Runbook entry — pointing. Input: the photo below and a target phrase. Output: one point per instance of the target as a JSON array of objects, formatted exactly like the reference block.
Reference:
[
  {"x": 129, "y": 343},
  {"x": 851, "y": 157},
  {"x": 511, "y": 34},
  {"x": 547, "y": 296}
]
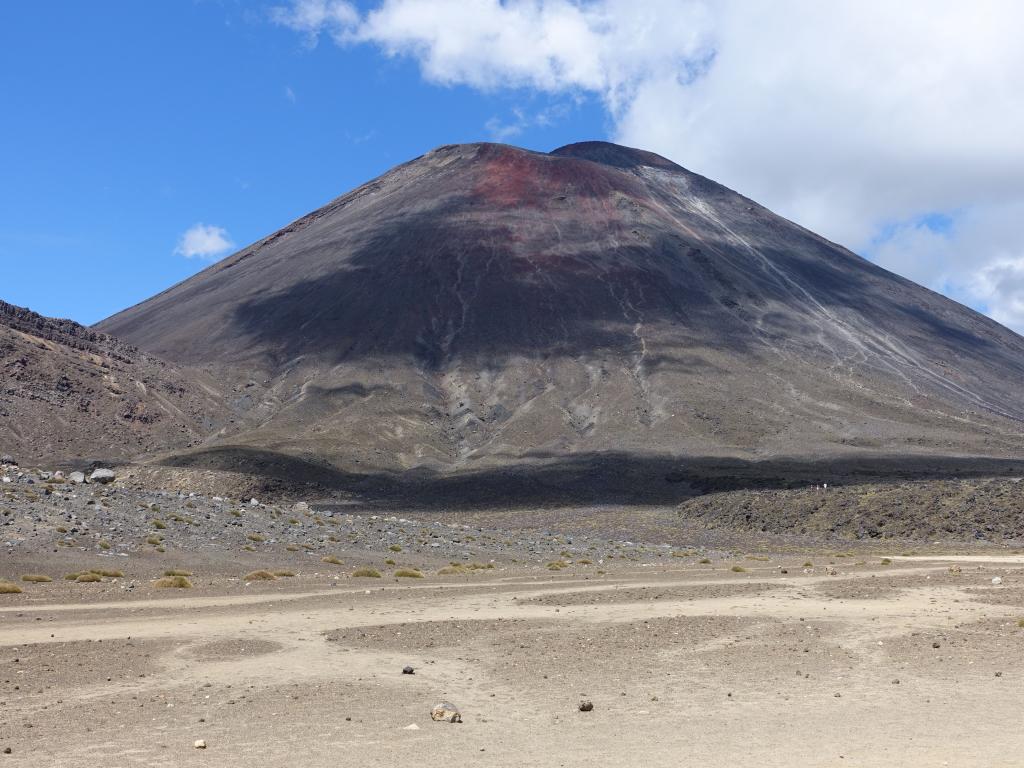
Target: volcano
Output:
[{"x": 484, "y": 305}]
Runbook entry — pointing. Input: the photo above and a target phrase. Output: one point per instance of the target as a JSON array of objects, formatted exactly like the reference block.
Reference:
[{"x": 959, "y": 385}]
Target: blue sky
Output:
[
  {"x": 127, "y": 124},
  {"x": 138, "y": 122}
]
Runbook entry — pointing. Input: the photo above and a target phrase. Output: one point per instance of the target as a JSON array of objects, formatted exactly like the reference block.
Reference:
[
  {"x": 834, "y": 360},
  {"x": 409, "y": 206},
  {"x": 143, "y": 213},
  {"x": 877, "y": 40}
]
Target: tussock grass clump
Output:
[
  {"x": 389, "y": 561},
  {"x": 71, "y": 576},
  {"x": 7, "y": 588},
  {"x": 61, "y": 529},
  {"x": 36, "y": 578},
  {"x": 557, "y": 565},
  {"x": 177, "y": 572},
  {"x": 886, "y": 561},
  {"x": 158, "y": 524},
  {"x": 738, "y": 569},
  {"x": 330, "y": 559},
  {"x": 173, "y": 582},
  {"x": 1020, "y": 623},
  {"x": 284, "y": 574},
  {"x": 109, "y": 573},
  {"x": 408, "y": 573},
  {"x": 451, "y": 570},
  {"x": 292, "y": 548},
  {"x": 705, "y": 561},
  {"x": 581, "y": 561},
  {"x": 808, "y": 564},
  {"x": 88, "y": 578},
  {"x": 104, "y": 544},
  {"x": 154, "y": 540},
  {"x": 366, "y": 573},
  {"x": 260, "y": 576},
  {"x": 395, "y": 547},
  {"x": 249, "y": 548},
  {"x": 479, "y": 566},
  {"x": 257, "y": 537}
]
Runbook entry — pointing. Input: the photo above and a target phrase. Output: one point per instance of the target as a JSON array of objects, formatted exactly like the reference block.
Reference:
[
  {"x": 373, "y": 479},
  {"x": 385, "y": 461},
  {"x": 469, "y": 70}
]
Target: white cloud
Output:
[
  {"x": 853, "y": 117},
  {"x": 202, "y": 241},
  {"x": 312, "y": 17}
]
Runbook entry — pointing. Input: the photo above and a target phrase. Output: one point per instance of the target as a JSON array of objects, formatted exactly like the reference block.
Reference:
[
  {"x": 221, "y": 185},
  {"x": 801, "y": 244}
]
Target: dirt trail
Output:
[{"x": 749, "y": 677}]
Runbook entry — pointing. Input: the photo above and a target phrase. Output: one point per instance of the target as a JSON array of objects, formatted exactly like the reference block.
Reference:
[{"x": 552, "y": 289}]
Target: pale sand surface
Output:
[{"x": 686, "y": 665}]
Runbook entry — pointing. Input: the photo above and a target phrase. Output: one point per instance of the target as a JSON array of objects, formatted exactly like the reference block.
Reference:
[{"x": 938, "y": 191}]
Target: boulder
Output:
[
  {"x": 446, "y": 712},
  {"x": 102, "y": 476},
  {"x": 77, "y": 477},
  {"x": 8, "y": 459}
]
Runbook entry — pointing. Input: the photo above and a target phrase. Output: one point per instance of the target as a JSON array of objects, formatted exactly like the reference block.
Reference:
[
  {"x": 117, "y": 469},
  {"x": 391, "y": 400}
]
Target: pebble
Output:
[
  {"x": 199, "y": 744},
  {"x": 445, "y": 712},
  {"x": 586, "y": 706},
  {"x": 408, "y": 670}
]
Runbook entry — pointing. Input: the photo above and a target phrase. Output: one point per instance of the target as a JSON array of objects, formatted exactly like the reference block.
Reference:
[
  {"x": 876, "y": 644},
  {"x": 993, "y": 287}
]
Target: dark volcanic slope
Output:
[
  {"x": 67, "y": 393},
  {"x": 483, "y": 303}
]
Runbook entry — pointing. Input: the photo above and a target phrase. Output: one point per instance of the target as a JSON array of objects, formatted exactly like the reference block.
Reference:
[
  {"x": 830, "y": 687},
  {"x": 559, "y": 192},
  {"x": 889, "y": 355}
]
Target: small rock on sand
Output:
[
  {"x": 446, "y": 712},
  {"x": 199, "y": 744},
  {"x": 586, "y": 706}
]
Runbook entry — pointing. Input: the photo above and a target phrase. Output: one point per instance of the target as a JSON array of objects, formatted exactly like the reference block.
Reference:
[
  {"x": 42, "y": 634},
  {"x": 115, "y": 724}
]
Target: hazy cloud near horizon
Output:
[{"x": 860, "y": 120}]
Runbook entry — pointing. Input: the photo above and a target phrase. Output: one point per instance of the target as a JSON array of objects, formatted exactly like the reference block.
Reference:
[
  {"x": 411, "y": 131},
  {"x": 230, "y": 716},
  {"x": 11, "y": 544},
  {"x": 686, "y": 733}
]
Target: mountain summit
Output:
[{"x": 483, "y": 304}]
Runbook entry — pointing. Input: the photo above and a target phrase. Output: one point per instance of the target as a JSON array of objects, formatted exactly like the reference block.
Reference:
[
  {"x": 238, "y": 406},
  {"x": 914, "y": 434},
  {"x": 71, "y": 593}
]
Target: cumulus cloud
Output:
[
  {"x": 856, "y": 118},
  {"x": 203, "y": 241}
]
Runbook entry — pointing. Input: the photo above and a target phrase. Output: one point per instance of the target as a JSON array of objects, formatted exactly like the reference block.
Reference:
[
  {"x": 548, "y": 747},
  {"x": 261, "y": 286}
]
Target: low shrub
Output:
[
  {"x": 36, "y": 578},
  {"x": 260, "y": 576},
  {"x": 366, "y": 573},
  {"x": 173, "y": 582}
]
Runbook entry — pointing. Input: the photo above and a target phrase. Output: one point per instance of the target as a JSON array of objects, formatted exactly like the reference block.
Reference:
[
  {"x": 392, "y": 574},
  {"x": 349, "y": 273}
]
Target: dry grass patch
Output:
[
  {"x": 557, "y": 565},
  {"x": 366, "y": 573},
  {"x": 173, "y": 582},
  {"x": 395, "y": 547},
  {"x": 177, "y": 572},
  {"x": 478, "y": 566},
  {"x": 260, "y": 576},
  {"x": 7, "y": 588},
  {"x": 330, "y": 559},
  {"x": 738, "y": 569},
  {"x": 257, "y": 537},
  {"x": 154, "y": 540},
  {"x": 88, "y": 578},
  {"x": 109, "y": 573},
  {"x": 408, "y": 573},
  {"x": 284, "y": 574},
  {"x": 36, "y": 578},
  {"x": 158, "y": 524},
  {"x": 451, "y": 570}
]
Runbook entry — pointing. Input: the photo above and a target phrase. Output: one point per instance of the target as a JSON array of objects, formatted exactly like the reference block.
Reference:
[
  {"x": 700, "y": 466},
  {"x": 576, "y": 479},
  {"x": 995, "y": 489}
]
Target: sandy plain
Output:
[{"x": 904, "y": 663}]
